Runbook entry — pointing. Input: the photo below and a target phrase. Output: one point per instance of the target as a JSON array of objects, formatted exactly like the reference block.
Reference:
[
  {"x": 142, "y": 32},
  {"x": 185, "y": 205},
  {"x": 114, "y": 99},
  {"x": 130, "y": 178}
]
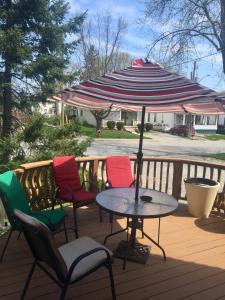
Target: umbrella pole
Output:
[{"x": 140, "y": 154}]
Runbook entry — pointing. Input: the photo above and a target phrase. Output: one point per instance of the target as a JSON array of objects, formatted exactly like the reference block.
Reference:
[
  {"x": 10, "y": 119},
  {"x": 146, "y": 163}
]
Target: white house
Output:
[{"x": 201, "y": 123}]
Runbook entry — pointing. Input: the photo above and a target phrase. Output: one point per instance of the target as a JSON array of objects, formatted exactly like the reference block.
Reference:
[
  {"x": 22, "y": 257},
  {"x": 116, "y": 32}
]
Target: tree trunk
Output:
[
  {"x": 98, "y": 124},
  {"x": 7, "y": 102},
  {"x": 222, "y": 34}
]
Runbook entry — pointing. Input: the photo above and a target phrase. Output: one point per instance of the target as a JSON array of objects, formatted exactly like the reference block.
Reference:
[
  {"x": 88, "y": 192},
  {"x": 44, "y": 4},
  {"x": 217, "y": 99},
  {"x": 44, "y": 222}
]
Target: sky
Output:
[{"x": 136, "y": 38}]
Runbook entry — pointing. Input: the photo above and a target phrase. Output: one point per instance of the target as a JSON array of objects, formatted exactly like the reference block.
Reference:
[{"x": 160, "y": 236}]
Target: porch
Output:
[{"x": 195, "y": 266}]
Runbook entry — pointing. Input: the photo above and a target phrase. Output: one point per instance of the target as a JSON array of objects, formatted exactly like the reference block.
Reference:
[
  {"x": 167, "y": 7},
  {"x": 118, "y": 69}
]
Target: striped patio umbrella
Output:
[{"x": 140, "y": 87}]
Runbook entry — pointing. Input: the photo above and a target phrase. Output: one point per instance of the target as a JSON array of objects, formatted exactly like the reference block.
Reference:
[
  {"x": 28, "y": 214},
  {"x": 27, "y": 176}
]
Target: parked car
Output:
[
  {"x": 182, "y": 130},
  {"x": 161, "y": 127}
]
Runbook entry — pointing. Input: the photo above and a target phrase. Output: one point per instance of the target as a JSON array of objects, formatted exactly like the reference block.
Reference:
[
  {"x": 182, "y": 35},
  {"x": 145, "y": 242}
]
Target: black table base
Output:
[
  {"x": 138, "y": 253},
  {"x": 150, "y": 204},
  {"x": 131, "y": 250}
]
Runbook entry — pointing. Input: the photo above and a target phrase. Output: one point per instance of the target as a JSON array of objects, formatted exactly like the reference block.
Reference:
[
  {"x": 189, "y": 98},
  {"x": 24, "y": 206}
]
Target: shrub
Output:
[
  {"x": 40, "y": 141},
  {"x": 148, "y": 126},
  {"x": 221, "y": 129},
  {"x": 120, "y": 125},
  {"x": 139, "y": 127},
  {"x": 111, "y": 124}
]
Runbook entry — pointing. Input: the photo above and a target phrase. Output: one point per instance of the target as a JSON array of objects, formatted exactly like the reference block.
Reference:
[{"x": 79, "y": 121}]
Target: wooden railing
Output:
[{"x": 159, "y": 173}]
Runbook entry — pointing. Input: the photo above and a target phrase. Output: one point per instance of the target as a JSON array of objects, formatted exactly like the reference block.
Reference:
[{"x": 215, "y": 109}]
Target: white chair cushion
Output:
[{"x": 72, "y": 250}]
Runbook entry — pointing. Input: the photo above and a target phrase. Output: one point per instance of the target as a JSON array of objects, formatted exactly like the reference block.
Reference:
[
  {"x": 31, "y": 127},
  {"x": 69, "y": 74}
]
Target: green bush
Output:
[
  {"x": 111, "y": 124},
  {"x": 148, "y": 126},
  {"x": 139, "y": 127},
  {"x": 40, "y": 141},
  {"x": 120, "y": 125}
]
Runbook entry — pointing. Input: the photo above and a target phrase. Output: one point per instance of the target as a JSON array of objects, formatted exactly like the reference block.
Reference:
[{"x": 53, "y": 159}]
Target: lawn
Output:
[
  {"x": 108, "y": 134},
  {"x": 220, "y": 156},
  {"x": 214, "y": 137}
]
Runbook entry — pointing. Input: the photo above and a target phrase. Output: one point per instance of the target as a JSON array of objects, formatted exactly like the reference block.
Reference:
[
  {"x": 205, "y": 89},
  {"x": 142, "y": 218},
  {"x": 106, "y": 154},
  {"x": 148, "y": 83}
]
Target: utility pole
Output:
[{"x": 189, "y": 116}]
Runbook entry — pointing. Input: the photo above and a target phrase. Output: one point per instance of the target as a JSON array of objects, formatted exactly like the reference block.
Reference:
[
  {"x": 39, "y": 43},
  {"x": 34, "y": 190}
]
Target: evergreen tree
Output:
[{"x": 34, "y": 52}]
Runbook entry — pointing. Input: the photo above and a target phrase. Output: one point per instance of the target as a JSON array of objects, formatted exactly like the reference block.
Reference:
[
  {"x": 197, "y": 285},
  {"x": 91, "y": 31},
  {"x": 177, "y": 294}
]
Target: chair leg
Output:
[
  {"x": 111, "y": 222},
  {"x": 66, "y": 235},
  {"x": 28, "y": 280},
  {"x": 112, "y": 281},
  {"x": 6, "y": 244},
  {"x": 142, "y": 227},
  {"x": 75, "y": 220},
  {"x": 19, "y": 235},
  {"x": 100, "y": 214},
  {"x": 127, "y": 229},
  {"x": 64, "y": 289}
]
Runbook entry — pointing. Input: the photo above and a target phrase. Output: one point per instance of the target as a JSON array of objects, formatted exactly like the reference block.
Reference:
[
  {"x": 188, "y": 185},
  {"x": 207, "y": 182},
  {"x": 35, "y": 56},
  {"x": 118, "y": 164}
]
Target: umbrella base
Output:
[{"x": 138, "y": 253}]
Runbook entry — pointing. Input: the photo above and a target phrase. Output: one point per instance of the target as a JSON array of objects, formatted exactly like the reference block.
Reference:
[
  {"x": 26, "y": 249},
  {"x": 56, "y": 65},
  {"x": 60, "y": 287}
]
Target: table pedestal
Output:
[{"x": 138, "y": 253}]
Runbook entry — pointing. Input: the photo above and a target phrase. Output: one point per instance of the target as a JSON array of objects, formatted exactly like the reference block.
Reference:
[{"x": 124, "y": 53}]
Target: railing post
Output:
[
  {"x": 95, "y": 172},
  {"x": 177, "y": 179}
]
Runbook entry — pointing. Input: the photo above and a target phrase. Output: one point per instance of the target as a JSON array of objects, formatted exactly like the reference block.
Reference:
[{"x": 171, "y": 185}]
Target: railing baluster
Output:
[
  {"x": 204, "y": 172},
  {"x": 161, "y": 172},
  {"x": 188, "y": 170},
  {"x": 211, "y": 173},
  {"x": 154, "y": 174},
  {"x": 147, "y": 173},
  {"x": 167, "y": 176},
  {"x": 196, "y": 170},
  {"x": 219, "y": 175}
]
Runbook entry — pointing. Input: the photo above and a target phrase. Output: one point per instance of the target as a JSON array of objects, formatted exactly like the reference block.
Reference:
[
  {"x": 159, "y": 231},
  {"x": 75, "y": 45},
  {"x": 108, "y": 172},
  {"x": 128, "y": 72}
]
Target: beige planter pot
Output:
[{"x": 201, "y": 194}]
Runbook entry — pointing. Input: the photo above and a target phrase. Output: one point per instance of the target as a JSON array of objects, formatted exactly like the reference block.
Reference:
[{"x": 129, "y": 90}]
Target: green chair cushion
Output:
[
  {"x": 55, "y": 216},
  {"x": 14, "y": 197}
]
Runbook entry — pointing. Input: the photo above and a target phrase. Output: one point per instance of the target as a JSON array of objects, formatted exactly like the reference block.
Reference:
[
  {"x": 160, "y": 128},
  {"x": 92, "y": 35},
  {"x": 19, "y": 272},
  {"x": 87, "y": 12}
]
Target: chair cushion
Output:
[
  {"x": 74, "y": 249},
  {"x": 13, "y": 196},
  {"x": 118, "y": 170},
  {"x": 56, "y": 216},
  {"x": 66, "y": 173},
  {"x": 85, "y": 196}
]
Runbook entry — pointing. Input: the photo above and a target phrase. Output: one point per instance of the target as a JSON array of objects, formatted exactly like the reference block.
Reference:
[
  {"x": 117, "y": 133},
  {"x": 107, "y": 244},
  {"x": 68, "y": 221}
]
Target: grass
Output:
[
  {"x": 220, "y": 156},
  {"x": 214, "y": 137},
  {"x": 108, "y": 134}
]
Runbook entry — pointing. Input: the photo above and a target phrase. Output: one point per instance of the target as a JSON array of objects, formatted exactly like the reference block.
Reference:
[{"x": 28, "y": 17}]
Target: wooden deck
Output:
[{"x": 195, "y": 266}]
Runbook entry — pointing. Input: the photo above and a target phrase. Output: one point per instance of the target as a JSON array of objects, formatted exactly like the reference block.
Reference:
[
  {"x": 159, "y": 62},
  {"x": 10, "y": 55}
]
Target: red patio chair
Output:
[
  {"x": 69, "y": 187},
  {"x": 119, "y": 174},
  {"x": 118, "y": 171}
]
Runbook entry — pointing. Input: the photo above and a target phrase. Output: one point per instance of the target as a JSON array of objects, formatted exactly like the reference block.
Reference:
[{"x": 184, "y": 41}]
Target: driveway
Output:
[{"x": 160, "y": 144}]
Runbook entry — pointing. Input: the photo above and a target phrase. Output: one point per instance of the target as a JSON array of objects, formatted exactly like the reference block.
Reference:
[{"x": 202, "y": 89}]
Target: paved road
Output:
[{"x": 161, "y": 144}]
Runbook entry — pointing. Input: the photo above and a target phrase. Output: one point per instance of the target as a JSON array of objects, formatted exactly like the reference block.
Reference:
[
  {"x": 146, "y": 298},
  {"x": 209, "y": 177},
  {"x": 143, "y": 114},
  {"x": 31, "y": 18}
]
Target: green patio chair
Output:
[{"x": 13, "y": 197}]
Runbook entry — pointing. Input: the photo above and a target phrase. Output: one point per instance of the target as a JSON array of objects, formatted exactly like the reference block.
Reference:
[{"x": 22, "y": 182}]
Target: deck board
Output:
[{"x": 195, "y": 266}]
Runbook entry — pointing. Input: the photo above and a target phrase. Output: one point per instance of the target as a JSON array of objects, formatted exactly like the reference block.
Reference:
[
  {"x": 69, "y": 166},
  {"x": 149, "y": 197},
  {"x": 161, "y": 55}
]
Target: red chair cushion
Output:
[
  {"x": 118, "y": 171},
  {"x": 67, "y": 178}
]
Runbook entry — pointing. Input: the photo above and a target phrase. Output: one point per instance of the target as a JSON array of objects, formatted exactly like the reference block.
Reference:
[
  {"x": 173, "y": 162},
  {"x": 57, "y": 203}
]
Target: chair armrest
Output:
[
  {"x": 56, "y": 200},
  {"x": 67, "y": 189},
  {"x": 82, "y": 256},
  {"x": 133, "y": 183}
]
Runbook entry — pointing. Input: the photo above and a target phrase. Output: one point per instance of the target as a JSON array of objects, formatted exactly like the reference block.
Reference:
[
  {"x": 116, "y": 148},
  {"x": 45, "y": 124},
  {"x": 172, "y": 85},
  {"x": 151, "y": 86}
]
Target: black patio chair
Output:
[{"x": 70, "y": 262}]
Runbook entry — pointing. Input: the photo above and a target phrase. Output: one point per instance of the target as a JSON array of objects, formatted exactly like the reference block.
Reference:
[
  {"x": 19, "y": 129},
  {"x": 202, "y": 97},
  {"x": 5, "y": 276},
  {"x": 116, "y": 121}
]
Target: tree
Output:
[
  {"x": 34, "y": 52},
  {"x": 185, "y": 25},
  {"x": 100, "y": 52}
]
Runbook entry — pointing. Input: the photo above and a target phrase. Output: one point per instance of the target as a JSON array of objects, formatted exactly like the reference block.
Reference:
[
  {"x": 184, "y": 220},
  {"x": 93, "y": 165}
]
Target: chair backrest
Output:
[
  {"x": 12, "y": 195},
  {"x": 118, "y": 171},
  {"x": 41, "y": 243},
  {"x": 66, "y": 174}
]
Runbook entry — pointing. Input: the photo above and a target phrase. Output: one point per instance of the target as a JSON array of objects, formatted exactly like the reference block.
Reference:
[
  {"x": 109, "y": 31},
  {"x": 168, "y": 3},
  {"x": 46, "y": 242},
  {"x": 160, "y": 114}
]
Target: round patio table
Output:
[{"x": 151, "y": 204}]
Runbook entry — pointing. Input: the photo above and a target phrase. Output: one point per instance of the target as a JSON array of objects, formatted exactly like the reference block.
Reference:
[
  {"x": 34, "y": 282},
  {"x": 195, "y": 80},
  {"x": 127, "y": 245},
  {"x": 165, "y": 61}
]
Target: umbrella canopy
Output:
[
  {"x": 140, "y": 86},
  {"x": 143, "y": 84}
]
